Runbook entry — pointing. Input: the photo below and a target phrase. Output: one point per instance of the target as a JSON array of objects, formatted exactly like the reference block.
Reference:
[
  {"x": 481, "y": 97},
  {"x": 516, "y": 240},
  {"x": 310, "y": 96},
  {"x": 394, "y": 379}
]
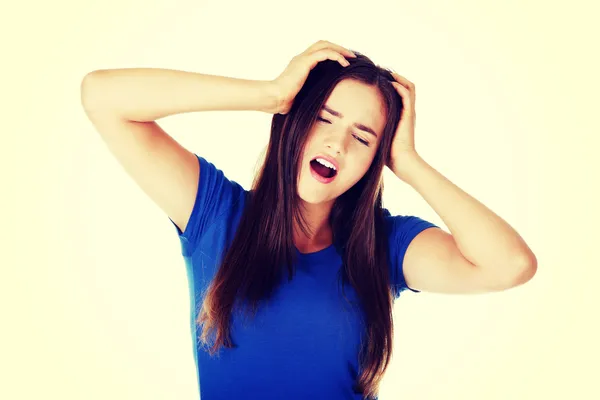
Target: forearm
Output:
[
  {"x": 483, "y": 237},
  {"x": 148, "y": 94}
]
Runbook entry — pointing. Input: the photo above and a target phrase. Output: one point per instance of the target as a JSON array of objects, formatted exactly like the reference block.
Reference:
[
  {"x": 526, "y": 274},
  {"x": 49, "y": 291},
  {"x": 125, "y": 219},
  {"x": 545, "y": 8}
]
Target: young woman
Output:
[{"x": 292, "y": 282}]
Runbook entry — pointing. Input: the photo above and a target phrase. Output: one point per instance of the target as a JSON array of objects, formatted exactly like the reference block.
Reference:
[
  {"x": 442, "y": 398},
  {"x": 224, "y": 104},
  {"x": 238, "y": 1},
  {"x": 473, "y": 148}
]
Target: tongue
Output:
[{"x": 321, "y": 169}]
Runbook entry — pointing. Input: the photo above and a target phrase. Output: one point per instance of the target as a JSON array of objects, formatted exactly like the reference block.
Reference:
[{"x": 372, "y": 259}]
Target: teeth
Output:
[{"x": 326, "y": 163}]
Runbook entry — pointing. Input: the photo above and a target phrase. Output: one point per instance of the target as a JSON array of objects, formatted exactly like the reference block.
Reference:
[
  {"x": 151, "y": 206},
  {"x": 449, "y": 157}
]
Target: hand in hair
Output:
[
  {"x": 290, "y": 81},
  {"x": 403, "y": 150}
]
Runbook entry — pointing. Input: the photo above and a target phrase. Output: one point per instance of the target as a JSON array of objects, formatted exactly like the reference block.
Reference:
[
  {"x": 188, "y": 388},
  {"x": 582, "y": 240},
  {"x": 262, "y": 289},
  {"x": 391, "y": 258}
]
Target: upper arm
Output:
[
  {"x": 166, "y": 171},
  {"x": 434, "y": 263}
]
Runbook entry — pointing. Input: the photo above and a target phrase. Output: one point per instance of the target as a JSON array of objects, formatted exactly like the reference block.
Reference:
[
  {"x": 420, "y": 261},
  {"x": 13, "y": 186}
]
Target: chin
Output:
[{"x": 314, "y": 197}]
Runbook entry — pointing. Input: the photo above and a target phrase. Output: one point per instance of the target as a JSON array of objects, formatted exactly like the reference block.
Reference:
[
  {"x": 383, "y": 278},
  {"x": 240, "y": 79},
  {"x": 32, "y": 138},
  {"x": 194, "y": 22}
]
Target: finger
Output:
[
  {"x": 327, "y": 54},
  {"x": 405, "y": 91},
  {"x": 324, "y": 44},
  {"x": 407, "y": 101},
  {"x": 401, "y": 89},
  {"x": 405, "y": 82}
]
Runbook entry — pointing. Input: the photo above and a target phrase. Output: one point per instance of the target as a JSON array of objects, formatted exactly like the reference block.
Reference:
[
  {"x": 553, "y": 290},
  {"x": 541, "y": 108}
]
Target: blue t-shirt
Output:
[{"x": 305, "y": 343}]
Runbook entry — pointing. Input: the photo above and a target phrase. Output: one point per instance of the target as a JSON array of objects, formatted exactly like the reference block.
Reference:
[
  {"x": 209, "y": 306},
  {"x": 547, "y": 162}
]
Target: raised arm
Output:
[{"x": 123, "y": 105}]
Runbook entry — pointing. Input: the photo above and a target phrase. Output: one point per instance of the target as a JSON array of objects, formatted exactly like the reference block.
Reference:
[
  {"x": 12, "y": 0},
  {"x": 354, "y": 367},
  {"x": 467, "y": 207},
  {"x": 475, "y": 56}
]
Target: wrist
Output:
[
  {"x": 272, "y": 97},
  {"x": 406, "y": 164}
]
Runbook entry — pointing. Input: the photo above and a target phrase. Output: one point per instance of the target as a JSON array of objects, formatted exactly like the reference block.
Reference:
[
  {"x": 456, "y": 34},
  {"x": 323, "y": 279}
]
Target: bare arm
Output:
[
  {"x": 123, "y": 105},
  {"x": 148, "y": 94}
]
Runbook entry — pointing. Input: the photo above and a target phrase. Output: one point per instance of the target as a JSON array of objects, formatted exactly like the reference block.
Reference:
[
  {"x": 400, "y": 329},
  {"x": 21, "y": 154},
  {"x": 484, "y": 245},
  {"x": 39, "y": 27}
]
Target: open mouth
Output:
[{"x": 323, "y": 169}]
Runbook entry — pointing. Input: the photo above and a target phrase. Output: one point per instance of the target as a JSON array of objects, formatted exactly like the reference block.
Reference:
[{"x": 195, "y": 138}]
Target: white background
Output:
[{"x": 93, "y": 292}]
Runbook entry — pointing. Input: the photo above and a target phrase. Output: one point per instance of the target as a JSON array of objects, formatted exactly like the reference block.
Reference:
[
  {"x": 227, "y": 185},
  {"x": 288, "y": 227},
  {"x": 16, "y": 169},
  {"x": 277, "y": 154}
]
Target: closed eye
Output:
[{"x": 361, "y": 140}]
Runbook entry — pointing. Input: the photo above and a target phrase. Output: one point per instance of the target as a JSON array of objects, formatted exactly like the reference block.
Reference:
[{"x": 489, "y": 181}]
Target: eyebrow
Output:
[{"x": 360, "y": 126}]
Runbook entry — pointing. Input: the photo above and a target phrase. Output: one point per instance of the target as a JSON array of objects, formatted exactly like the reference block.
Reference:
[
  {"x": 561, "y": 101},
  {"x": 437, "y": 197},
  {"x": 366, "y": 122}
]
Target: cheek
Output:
[{"x": 357, "y": 168}]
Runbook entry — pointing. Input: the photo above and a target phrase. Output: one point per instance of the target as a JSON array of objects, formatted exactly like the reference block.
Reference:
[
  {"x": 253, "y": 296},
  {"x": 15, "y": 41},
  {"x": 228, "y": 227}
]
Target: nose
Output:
[{"x": 336, "y": 141}]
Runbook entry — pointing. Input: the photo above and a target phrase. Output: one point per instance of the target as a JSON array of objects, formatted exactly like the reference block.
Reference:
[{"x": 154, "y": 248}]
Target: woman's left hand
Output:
[{"x": 403, "y": 144}]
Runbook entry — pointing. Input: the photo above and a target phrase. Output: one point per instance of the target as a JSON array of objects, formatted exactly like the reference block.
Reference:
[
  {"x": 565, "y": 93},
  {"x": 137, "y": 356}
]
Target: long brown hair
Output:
[{"x": 263, "y": 243}]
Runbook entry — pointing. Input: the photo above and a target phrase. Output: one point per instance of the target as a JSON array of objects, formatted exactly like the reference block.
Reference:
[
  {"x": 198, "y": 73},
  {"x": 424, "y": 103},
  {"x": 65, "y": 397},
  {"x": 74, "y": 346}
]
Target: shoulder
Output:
[
  {"x": 402, "y": 230},
  {"x": 217, "y": 205}
]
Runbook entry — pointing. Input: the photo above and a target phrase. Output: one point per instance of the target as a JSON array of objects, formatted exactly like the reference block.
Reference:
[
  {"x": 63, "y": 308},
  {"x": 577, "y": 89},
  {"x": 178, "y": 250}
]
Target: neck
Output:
[{"x": 319, "y": 235}]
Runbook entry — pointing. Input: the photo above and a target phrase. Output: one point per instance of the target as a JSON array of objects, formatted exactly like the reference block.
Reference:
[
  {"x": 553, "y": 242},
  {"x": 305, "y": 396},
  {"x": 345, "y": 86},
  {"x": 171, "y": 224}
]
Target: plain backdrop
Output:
[{"x": 93, "y": 292}]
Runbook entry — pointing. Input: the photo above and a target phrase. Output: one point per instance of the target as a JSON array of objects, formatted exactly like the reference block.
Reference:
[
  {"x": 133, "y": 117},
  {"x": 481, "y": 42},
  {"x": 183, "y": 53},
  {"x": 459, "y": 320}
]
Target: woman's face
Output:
[{"x": 346, "y": 136}]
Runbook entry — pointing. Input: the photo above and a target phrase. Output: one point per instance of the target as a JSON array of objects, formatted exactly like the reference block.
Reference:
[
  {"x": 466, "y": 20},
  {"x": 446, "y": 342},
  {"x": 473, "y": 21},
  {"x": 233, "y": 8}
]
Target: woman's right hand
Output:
[{"x": 288, "y": 84}]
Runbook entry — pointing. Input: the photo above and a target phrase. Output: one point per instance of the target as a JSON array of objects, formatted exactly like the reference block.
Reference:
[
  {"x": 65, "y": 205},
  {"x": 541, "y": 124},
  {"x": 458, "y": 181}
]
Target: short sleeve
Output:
[
  {"x": 402, "y": 229},
  {"x": 215, "y": 197}
]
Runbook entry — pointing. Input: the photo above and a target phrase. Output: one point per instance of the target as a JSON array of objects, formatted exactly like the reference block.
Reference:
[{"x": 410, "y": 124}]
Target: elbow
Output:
[
  {"x": 88, "y": 93},
  {"x": 526, "y": 269},
  {"x": 84, "y": 91}
]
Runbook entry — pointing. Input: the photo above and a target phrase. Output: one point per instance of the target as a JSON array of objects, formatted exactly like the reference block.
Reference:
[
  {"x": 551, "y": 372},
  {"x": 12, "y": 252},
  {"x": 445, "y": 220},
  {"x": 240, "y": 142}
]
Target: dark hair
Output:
[{"x": 263, "y": 243}]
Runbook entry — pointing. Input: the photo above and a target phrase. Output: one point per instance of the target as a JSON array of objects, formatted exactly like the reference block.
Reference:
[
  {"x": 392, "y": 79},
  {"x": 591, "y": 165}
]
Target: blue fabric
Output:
[{"x": 304, "y": 344}]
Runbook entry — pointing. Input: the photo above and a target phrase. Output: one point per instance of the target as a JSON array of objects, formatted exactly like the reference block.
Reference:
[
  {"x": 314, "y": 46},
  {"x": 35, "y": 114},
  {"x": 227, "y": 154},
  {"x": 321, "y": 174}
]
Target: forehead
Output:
[{"x": 359, "y": 103}]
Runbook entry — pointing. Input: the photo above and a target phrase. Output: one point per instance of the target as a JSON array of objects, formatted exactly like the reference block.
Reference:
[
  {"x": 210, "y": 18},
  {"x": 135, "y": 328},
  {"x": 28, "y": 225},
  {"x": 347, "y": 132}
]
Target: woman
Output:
[{"x": 309, "y": 253}]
